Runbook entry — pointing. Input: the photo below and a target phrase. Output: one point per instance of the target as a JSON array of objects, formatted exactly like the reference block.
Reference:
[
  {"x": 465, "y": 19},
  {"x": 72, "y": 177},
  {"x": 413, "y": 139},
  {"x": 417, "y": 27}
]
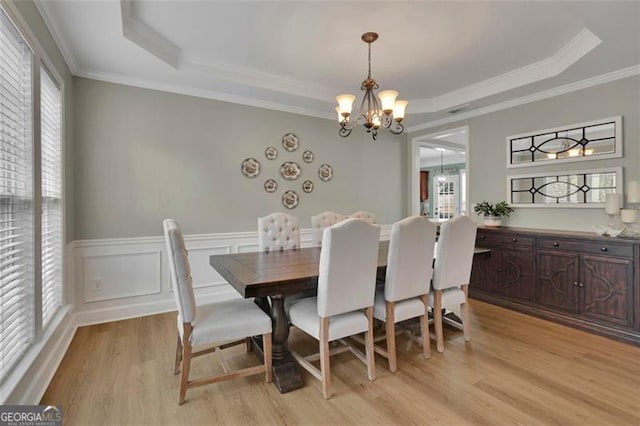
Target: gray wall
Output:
[
  {"x": 143, "y": 155},
  {"x": 487, "y": 169},
  {"x": 30, "y": 14}
]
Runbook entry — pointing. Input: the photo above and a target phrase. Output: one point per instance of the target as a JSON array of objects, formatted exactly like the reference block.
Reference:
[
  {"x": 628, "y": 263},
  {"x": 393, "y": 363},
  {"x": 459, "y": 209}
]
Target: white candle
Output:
[
  {"x": 612, "y": 203},
  {"x": 629, "y": 215},
  {"x": 633, "y": 192}
]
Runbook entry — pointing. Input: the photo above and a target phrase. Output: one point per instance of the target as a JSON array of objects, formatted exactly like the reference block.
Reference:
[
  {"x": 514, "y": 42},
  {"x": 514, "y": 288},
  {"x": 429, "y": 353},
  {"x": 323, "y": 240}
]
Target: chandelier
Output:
[{"x": 374, "y": 113}]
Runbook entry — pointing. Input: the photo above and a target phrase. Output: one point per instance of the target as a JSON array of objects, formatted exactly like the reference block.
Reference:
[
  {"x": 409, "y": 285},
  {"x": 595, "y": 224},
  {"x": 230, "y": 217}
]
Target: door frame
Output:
[{"x": 414, "y": 163}]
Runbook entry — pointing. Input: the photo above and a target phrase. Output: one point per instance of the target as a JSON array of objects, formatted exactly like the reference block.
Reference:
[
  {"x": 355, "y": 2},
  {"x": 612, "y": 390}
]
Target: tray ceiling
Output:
[{"x": 296, "y": 56}]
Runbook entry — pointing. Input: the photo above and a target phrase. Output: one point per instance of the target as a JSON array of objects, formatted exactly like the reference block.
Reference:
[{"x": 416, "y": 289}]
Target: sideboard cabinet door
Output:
[
  {"x": 558, "y": 280},
  {"x": 607, "y": 289}
]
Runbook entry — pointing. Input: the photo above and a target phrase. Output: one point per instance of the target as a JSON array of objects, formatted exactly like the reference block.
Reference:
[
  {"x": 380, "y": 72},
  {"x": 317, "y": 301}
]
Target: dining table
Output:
[{"x": 270, "y": 277}]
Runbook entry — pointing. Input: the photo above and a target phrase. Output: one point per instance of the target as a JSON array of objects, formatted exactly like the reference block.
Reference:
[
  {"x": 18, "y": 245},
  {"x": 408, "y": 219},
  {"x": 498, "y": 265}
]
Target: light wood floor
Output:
[{"x": 517, "y": 370}]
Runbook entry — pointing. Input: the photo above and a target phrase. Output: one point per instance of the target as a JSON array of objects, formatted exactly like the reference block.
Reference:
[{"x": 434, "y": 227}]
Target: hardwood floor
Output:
[{"x": 517, "y": 369}]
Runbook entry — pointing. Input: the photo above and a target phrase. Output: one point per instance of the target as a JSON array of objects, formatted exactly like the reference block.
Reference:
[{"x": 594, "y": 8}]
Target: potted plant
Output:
[{"x": 493, "y": 213}]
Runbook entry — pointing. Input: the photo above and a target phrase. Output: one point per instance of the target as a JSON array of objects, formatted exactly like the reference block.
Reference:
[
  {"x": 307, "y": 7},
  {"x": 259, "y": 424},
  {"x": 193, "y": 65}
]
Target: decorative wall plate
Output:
[
  {"x": 290, "y": 199},
  {"x": 307, "y": 156},
  {"x": 271, "y": 153},
  {"x": 307, "y": 186},
  {"x": 290, "y": 170},
  {"x": 251, "y": 167},
  {"x": 290, "y": 142},
  {"x": 325, "y": 172},
  {"x": 270, "y": 185}
]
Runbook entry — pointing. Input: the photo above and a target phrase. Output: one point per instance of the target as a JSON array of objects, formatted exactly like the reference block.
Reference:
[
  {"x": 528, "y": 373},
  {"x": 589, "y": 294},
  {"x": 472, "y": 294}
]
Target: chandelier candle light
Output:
[{"x": 386, "y": 112}]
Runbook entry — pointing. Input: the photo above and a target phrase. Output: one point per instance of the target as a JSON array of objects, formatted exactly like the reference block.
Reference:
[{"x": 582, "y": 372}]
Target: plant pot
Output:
[{"x": 492, "y": 221}]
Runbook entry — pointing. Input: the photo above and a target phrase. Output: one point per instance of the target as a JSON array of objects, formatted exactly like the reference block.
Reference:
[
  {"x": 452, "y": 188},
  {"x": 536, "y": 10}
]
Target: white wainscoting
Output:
[
  {"x": 115, "y": 279},
  {"x": 128, "y": 277}
]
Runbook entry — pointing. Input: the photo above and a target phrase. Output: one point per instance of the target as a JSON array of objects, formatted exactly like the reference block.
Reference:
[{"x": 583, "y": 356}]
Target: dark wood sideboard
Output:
[{"x": 574, "y": 278}]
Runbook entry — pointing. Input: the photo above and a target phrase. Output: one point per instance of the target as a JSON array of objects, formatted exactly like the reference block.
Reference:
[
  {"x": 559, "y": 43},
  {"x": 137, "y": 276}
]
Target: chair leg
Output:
[
  {"x": 324, "y": 358},
  {"x": 176, "y": 368},
  {"x": 368, "y": 343},
  {"x": 424, "y": 329},
  {"x": 248, "y": 344},
  {"x": 464, "y": 310},
  {"x": 437, "y": 320},
  {"x": 391, "y": 336},
  {"x": 186, "y": 362},
  {"x": 266, "y": 349}
]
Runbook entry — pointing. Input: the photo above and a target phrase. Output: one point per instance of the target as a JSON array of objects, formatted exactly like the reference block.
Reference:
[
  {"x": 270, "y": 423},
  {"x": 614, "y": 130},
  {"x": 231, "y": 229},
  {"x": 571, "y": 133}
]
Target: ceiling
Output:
[{"x": 296, "y": 56}]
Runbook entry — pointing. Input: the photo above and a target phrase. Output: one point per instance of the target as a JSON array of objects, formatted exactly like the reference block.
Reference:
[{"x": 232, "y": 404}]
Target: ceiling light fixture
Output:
[{"x": 374, "y": 113}]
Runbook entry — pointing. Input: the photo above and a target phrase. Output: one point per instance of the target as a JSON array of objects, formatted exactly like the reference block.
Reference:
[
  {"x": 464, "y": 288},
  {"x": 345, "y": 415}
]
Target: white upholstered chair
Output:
[
  {"x": 278, "y": 231},
  {"x": 344, "y": 305},
  {"x": 366, "y": 216},
  {"x": 406, "y": 288},
  {"x": 212, "y": 324},
  {"x": 321, "y": 221},
  {"x": 451, "y": 273}
]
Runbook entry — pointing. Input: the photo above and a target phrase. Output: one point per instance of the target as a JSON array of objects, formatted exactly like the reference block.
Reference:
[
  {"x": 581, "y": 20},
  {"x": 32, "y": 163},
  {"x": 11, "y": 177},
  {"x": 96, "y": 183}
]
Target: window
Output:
[
  {"x": 16, "y": 212},
  {"x": 50, "y": 142},
  {"x": 31, "y": 243}
]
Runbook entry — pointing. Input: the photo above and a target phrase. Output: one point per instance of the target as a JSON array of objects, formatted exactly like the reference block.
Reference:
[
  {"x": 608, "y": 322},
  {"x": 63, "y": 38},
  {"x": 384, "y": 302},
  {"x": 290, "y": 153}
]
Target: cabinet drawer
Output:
[
  {"x": 604, "y": 248},
  {"x": 489, "y": 239}
]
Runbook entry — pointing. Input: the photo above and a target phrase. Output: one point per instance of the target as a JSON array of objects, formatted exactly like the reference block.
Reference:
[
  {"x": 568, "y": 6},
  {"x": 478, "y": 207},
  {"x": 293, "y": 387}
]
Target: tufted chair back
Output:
[
  {"x": 278, "y": 231},
  {"x": 366, "y": 216},
  {"x": 180, "y": 271},
  {"x": 321, "y": 221},
  {"x": 454, "y": 253}
]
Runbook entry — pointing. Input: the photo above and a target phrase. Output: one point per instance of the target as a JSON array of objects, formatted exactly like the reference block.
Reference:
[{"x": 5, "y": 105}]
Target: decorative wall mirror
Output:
[
  {"x": 578, "y": 142},
  {"x": 578, "y": 188}
]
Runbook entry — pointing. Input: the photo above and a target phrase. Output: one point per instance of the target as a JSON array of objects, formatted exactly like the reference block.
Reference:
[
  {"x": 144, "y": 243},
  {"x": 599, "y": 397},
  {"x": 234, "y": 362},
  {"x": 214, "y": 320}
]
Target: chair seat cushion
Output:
[
  {"x": 229, "y": 320},
  {"x": 453, "y": 296},
  {"x": 304, "y": 315},
  {"x": 403, "y": 309}
]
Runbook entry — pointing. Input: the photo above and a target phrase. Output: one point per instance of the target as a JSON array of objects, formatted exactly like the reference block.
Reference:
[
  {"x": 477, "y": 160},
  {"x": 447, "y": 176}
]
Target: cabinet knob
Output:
[
  {"x": 580, "y": 285},
  {"x": 604, "y": 249},
  {"x": 482, "y": 237},
  {"x": 514, "y": 240},
  {"x": 498, "y": 269},
  {"x": 556, "y": 244},
  {"x": 575, "y": 283}
]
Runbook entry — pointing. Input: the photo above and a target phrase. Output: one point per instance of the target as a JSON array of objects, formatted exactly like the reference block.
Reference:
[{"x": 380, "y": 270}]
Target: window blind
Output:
[
  {"x": 50, "y": 130},
  {"x": 16, "y": 215}
]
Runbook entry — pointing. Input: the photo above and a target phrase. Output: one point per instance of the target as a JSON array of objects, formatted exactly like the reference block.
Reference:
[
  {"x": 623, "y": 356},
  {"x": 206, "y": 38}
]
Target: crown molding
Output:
[
  {"x": 561, "y": 90},
  {"x": 144, "y": 36},
  {"x": 570, "y": 53},
  {"x": 199, "y": 93},
  {"x": 147, "y": 38},
  {"x": 45, "y": 9}
]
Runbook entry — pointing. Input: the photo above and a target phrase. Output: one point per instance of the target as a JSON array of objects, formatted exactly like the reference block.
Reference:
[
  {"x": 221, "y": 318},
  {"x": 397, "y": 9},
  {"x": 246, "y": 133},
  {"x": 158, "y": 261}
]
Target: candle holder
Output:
[{"x": 629, "y": 217}]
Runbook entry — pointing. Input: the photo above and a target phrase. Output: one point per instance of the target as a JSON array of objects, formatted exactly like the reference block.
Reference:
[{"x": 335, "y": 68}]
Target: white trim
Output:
[
  {"x": 576, "y": 48},
  {"x": 616, "y": 154},
  {"x": 135, "y": 30},
  {"x": 616, "y": 170},
  {"x": 147, "y": 38},
  {"x": 44, "y": 8},
  {"x": 29, "y": 379},
  {"x": 414, "y": 163},
  {"x": 545, "y": 94},
  {"x": 201, "y": 93}
]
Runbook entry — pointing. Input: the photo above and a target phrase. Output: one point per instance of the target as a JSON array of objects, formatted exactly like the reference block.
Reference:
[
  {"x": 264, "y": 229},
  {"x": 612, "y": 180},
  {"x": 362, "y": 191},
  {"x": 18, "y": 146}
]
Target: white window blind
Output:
[
  {"x": 50, "y": 130},
  {"x": 16, "y": 215}
]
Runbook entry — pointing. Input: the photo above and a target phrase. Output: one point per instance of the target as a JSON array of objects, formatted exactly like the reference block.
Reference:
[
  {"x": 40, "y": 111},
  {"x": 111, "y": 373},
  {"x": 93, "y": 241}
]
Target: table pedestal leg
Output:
[{"x": 286, "y": 374}]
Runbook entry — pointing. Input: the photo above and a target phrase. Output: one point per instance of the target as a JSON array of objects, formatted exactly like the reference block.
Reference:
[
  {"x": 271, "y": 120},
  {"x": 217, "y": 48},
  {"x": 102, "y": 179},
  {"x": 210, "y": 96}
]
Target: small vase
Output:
[{"x": 492, "y": 221}]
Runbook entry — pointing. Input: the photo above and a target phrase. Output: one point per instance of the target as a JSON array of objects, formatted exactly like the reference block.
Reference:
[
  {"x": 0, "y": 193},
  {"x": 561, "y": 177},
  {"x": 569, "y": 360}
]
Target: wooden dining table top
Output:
[{"x": 269, "y": 273}]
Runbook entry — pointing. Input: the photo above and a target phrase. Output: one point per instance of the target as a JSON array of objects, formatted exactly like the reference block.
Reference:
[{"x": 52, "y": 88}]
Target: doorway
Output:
[{"x": 439, "y": 185}]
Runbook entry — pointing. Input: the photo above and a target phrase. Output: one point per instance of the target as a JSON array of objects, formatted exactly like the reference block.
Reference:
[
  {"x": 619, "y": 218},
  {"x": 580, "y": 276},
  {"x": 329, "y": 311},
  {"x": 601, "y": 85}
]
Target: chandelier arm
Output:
[
  {"x": 397, "y": 129},
  {"x": 344, "y": 132}
]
